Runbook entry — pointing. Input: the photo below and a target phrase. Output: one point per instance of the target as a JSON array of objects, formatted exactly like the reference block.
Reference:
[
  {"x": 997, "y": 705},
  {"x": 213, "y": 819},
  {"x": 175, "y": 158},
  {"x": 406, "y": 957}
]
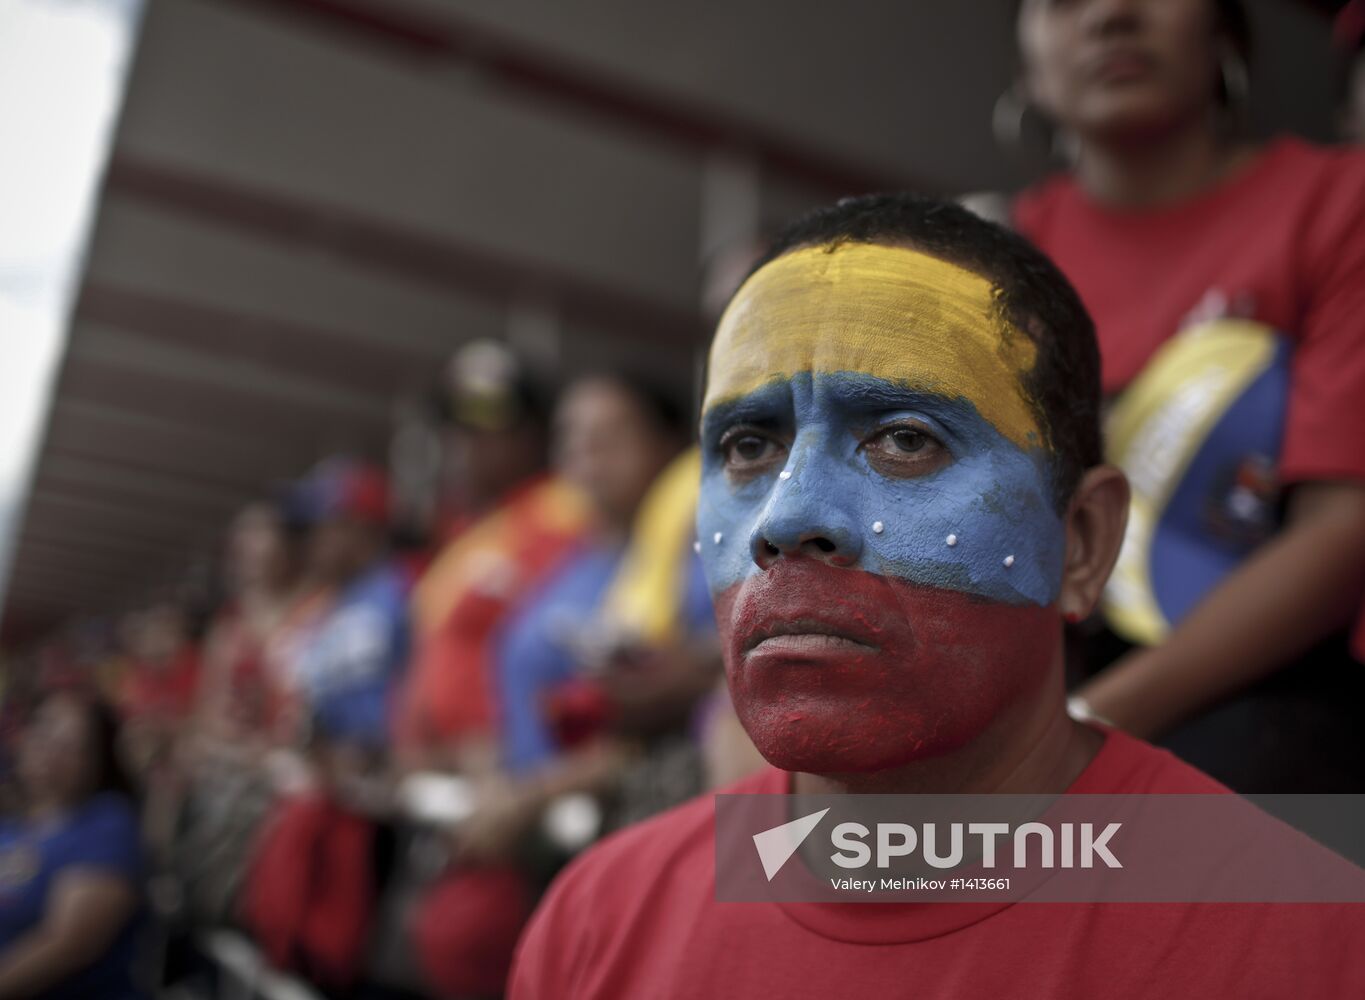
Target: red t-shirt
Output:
[
  {"x": 1282, "y": 243},
  {"x": 464, "y": 597},
  {"x": 164, "y": 692},
  {"x": 637, "y": 917}
]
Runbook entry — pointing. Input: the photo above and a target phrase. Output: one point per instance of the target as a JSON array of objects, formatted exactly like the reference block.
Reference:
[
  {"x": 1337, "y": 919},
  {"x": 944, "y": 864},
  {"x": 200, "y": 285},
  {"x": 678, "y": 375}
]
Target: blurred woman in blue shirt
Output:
[{"x": 71, "y": 866}]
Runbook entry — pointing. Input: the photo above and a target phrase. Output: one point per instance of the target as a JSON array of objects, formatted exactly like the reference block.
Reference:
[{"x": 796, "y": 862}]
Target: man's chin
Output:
[
  {"x": 835, "y": 747},
  {"x": 832, "y": 765}
]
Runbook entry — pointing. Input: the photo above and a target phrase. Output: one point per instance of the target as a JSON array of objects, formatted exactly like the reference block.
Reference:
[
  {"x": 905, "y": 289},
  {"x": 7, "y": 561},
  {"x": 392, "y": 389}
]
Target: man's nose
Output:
[{"x": 808, "y": 514}]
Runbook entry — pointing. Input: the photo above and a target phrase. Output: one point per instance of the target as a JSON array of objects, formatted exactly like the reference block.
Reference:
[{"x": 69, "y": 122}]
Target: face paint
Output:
[
  {"x": 888, "y": 312},
  {"x": 909, "y": 670},
  {"x": 838, "y": 367}
]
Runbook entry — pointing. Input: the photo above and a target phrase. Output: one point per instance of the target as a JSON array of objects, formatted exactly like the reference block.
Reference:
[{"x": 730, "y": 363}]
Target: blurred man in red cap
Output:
[{"x": 345, "y": 667}]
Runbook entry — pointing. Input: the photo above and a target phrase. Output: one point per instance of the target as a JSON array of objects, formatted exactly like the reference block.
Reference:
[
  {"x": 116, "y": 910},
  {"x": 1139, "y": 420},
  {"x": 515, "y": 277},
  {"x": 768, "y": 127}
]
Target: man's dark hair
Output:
[{"x": 1031, "y": 293}]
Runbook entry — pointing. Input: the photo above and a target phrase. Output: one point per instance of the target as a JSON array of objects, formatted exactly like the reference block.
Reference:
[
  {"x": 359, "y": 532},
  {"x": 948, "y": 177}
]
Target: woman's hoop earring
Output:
[
  {"x": 1234, "y": 79},
  {"x": 1007, "y": 117},
  {"x": 1009, "y": 123}
]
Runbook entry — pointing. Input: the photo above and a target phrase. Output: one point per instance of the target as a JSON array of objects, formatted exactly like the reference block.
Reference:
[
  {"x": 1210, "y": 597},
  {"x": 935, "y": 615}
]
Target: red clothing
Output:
[
  {"x": 1281, "y": 243},
  {"x": 309, "y": 896},
  {"x": 165, "y": 692},
  {"x": 637, "y": 917},
  {"x": 464, "y": 597},
  {"x": 465, "y": 928},
  {"x": 246, "y": 698}
]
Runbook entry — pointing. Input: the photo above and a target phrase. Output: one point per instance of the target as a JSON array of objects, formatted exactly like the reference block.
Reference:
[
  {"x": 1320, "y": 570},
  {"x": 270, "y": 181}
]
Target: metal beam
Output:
[
  {"x": 385, "y": 246},
  {"x": 379, "y": 362},
  {"x": 553, "y": 79},
  {"x": 97, "y": 538},
  {"x": 100, "y": 473},
  {"x": 252, "y": 383},
  {"x": 139, "y": 513}
]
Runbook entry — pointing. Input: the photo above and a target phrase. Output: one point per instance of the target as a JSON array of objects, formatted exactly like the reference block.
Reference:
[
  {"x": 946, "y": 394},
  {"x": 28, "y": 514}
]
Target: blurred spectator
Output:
[
  {"x": 347, "y": 665},
  {"x": 71, "y": 868},
  {"x": 241, "y": 696},
  {"x": 158, "y": 686},
  {"x": 665, "y": 658},
  {"x": 573, "y": 665},
  {"x": 160, "y": 682},
  {"x": 243, "y": 710},
  {"x": 1349, "y": 36},
  {"x": 520, "y": 524},
  {"x": 566, "y": 722},
  {"x": 311, "y": 887},
  {"x": 612, "y": 436},
  {"x": 1227, "y": 282}
]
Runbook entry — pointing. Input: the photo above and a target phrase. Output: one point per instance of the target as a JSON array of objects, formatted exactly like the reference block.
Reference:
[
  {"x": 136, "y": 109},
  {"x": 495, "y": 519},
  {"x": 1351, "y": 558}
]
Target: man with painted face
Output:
[{"x": 902, "y": 500}]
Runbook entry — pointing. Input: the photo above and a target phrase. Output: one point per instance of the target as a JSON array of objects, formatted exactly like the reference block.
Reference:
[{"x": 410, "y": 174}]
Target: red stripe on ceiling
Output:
[
  {"x": 245, "y": 484},
  {"x": 290, "y": 346},
  {"x": 100, "y": 539},
  {"x": 93, "y": 577},
  {"x": 237, "y": 409},
  {"x": 547, "y": 76},
  {"x": 219, "y": 507},
  {"x": 152, "y": 524},
  {"x": 73, "y": 555},
  {"x": 389, "y": 247}
]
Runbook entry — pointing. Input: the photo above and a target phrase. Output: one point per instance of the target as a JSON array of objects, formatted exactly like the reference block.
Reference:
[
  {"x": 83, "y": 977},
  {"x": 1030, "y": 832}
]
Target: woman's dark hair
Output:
[
  {"x": 1031, "y": 293},
  {"x": 1235, "y": 25},
  {"x": 110, "y": 773}
]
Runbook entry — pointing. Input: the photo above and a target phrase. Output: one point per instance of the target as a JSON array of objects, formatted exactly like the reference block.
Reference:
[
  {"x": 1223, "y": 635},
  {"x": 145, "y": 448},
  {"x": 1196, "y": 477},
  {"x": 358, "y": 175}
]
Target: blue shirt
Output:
[
  {"x": 101, "y": 837},
  {"x": 349, "y": 664},
  {"x": 535, "y": 652}
]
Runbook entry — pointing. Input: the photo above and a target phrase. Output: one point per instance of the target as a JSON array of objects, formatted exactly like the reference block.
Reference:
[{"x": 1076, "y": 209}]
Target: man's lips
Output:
[
  {"x": 805, "y": 635},
  {"x": 801, "y": 606}
]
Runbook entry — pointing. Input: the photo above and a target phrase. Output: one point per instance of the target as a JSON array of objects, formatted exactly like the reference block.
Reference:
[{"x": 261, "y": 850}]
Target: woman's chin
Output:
[{"x": 1135, "y": 117}]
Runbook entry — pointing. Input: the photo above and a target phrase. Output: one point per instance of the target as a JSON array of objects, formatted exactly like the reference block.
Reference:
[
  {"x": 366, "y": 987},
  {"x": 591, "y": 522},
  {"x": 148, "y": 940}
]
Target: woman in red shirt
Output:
[{"x": 1227, "y": 282}]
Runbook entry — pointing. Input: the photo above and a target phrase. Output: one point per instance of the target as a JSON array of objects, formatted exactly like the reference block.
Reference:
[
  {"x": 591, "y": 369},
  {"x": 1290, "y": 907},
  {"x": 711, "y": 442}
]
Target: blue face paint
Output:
[{"x": 994, "y": 497}]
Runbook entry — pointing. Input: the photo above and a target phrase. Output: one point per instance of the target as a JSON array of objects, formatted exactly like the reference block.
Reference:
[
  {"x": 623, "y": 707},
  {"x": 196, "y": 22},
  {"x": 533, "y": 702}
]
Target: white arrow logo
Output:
[{"x": 775, "y": 846}]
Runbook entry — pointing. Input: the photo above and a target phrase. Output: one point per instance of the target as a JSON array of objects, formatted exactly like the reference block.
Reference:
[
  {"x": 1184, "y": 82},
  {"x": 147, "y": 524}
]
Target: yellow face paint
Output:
[{"x": 889, "y": 312}]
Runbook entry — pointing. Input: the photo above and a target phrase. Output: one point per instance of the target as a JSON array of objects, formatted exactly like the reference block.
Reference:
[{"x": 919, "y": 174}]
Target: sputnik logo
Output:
[{"x": 777, "y": 845}]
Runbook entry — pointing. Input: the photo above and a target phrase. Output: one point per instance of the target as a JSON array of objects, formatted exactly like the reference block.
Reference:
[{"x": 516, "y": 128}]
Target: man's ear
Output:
[{"x": 1095, "y": 522}]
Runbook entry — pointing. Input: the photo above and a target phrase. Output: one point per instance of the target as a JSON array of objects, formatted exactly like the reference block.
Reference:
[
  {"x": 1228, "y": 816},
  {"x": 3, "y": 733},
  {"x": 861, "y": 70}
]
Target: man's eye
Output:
[
  {"x": 905, "y": 451},
  {"x": 748, "y": 452},
  {"x": 908, "y": 440}
]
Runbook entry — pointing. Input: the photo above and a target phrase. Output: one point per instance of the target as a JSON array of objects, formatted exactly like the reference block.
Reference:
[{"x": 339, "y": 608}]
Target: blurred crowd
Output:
[{"x": 375, "y": 744}]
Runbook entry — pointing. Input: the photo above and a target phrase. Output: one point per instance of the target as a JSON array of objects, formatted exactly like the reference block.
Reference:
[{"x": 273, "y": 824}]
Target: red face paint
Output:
[{"x": 879, "y": 672}]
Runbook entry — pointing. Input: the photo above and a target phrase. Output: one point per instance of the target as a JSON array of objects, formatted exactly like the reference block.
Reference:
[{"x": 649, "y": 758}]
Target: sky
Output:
[{"x": 62, "y": 70}]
